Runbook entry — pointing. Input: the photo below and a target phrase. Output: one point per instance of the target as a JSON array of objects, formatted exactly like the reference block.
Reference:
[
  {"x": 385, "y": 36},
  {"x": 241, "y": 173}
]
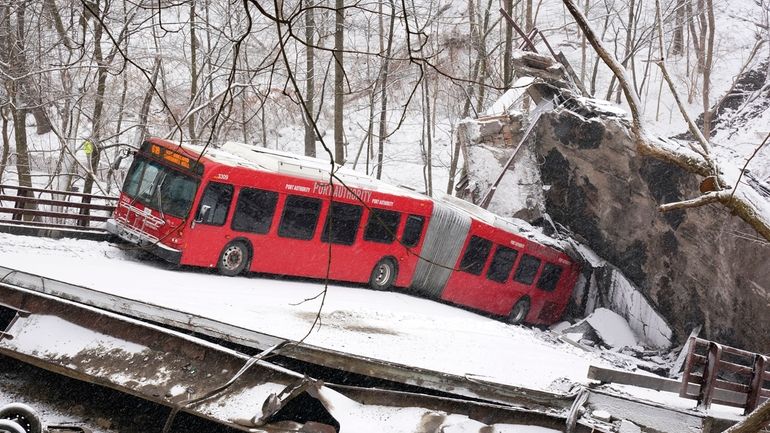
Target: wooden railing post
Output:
[
  {"x": 710, "y": 375},
  {"x": 757, "y": 380},
  {"x": 691, "y": 345}
]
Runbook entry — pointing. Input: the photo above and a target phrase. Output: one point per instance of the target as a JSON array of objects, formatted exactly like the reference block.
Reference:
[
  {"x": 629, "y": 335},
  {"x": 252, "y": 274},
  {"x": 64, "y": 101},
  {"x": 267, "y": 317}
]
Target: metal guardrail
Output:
[{"x": 47, "y": 208}]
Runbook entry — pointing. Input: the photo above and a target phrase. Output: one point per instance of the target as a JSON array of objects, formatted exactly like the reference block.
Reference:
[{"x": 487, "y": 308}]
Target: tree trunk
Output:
[
  {"x": 627, "y": 57},
  {"x": 193, "y": 72},
  {"x": 22, "y": 158},
  {"x": 383, "y": 132},
  {"x": 583, "y": 50},
  {"x": 677, "y": 46},
  {"x": 15, "y": 57},
  {"x": 708, "y": 56},
  {"x": 96, "y": 118},
  {"x": 339, "y": 82},
  {"x": 6, "y": 145},
  {"x": 28, "y": 92},
  {"x": 310, "y": 80},
  {"x": 453, "y": 162},
  {"x": 427, "y": 134},
  {"x": 507, "y": 68},
  {"x": 529, "y": 25}
]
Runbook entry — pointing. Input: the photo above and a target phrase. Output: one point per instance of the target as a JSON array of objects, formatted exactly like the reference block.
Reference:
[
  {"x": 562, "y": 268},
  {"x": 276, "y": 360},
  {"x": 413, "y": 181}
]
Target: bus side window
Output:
[
  {"x": 549, "y": 277},
  {"x": 502, "y": 263},
  {"x": 525, "y": 273},
  {"x": 254, "y": 210},
  {"x": 412, "y": 230},
  {"x": 214, "y": 204},
  {"x": 342, "y": 223},
  {"x": 382, "y": 226},
  {"x": 300, "y": 217},
  {"x": 475, "y": 255}
]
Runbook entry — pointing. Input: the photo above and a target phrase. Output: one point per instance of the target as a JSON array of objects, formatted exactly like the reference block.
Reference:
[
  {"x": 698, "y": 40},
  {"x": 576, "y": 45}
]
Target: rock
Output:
[{"x": 688, "y": 264}]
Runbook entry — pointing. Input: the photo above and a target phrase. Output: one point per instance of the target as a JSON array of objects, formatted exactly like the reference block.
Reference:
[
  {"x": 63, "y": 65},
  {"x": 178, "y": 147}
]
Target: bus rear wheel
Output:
[
  {"x": 519, "y": 311},
  {"x": 233, "y": 259},
  {"x": 383, "y": 275}
]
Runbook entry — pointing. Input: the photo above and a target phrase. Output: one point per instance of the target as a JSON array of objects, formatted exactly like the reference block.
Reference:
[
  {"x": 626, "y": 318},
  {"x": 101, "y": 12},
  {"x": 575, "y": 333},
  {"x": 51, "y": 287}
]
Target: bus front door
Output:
[{"x": 208, "y": 233}]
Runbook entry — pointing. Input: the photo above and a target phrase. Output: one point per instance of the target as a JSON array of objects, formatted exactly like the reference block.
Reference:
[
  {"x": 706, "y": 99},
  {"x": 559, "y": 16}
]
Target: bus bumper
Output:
[{"x": 144, "y": 241}]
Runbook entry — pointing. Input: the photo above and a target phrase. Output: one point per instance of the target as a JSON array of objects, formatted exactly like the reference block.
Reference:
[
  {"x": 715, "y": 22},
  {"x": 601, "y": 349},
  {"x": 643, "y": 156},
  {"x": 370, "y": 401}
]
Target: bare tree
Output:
[
  {"x": 13, "y": 54},
  {"x": 309, "y": 79},
  {"x": 193, "y": 71},
  {"x": 339, "y": 82},
  {"x": 383, "y": 83}
]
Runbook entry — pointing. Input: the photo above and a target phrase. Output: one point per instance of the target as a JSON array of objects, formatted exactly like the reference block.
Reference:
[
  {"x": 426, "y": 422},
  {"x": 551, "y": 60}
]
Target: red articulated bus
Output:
[{"x": 242, "y": 208}]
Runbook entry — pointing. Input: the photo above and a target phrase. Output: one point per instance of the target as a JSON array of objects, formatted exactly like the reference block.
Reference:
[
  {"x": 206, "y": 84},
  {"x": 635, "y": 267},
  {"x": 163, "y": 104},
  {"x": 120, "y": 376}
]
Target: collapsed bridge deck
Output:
[{"x": 424, "y": 347}]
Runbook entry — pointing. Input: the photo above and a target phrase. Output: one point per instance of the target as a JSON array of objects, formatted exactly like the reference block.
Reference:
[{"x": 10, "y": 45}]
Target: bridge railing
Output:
[
  {"x": 713, "y": 367},
  {"x": 54, "y": 208}
]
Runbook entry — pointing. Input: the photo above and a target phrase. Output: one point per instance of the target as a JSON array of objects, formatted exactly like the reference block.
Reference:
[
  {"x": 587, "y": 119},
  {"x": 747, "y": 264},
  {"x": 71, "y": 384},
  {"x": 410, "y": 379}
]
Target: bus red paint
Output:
[{"x": 242, "y": 208}]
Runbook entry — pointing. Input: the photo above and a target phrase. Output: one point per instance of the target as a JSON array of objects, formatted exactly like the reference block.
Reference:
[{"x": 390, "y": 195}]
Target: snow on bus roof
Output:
[
  {"x": 260, "y": 158},
  {"x": 240, "y": 154}
]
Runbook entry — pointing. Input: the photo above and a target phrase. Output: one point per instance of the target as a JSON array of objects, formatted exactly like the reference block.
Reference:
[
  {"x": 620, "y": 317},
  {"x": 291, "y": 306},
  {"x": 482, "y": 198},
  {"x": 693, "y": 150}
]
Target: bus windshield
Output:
[{"x": 159, "y": 187}]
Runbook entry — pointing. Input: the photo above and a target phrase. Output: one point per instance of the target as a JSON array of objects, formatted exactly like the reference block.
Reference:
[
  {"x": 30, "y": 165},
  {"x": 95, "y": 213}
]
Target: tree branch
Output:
[{"x": 744, "y": 203}]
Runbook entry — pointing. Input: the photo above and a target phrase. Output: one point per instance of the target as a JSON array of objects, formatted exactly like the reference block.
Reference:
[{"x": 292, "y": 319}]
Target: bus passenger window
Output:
[
  {"x": 527, "y": 269},
  {"x": 254, "y": 210},
  {"x": 300, "y": 217},
  {"x": 412, "y": 230},
  {"x": 342, "y": 222},
  {"x": 549, "y": 277},
  {"x": 475, "y": 255},
  {"x": 382, "y": 226},
  {"x": 502, "y": 263},
  {"x": 215, "y": 203}
]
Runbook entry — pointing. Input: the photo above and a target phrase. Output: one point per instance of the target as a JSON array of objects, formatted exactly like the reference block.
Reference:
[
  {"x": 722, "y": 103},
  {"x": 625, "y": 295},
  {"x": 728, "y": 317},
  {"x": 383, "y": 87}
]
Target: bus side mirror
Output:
[{"x": 203, "y": 213}]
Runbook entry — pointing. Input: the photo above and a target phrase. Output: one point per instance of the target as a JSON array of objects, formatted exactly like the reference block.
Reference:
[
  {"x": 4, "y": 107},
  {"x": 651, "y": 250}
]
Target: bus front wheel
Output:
[
  {"x": 383, "y": 275},
  {"x": 233, "y": 259},
  {"x": 519, "y": 311}
]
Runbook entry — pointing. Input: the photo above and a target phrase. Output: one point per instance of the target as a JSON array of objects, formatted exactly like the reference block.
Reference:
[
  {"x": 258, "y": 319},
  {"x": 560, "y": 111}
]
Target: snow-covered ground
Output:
[
  {"x": 385, "y": 325},
  {"x": 389, "y": 326}
]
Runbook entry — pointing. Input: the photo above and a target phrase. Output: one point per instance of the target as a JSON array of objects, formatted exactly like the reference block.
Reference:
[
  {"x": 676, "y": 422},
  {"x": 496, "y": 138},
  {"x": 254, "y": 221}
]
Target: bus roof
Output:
[
  {"x": 236, "y": 154},
  {"x": 260, "y": 158}
]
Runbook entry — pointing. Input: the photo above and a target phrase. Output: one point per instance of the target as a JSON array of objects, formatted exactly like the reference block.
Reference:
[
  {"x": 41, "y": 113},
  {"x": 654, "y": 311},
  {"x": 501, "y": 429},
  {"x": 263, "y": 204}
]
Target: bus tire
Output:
[
  {"x": 234, "y": 258},
  {"x": 519, "y": 311},
  {"x": 8, "y": 426},
  {"x": 22, "y": 415},
  {"x": 383, "y": 274}
]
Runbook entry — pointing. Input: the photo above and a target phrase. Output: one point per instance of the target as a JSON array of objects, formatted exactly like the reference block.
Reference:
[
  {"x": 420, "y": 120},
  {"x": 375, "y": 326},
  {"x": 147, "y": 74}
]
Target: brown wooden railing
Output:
[
  {"x": 712, "y": 366},
  {"x": 54, "y": 208}
]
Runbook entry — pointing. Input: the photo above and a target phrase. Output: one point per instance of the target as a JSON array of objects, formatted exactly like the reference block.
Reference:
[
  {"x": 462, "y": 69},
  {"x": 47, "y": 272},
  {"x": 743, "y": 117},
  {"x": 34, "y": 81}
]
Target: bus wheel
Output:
[
  {"x": 383, "y": 275},
  {"x": 7, "y": 426},
  {"x": 233, "y": 259},
  {"x": 519, "y": 311},
  {"x": 22, "y": 415}
]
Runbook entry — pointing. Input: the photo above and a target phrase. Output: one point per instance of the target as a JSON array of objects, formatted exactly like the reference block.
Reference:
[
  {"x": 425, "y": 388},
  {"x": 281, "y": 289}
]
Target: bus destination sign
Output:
[{"x": 170, "y": 156}]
